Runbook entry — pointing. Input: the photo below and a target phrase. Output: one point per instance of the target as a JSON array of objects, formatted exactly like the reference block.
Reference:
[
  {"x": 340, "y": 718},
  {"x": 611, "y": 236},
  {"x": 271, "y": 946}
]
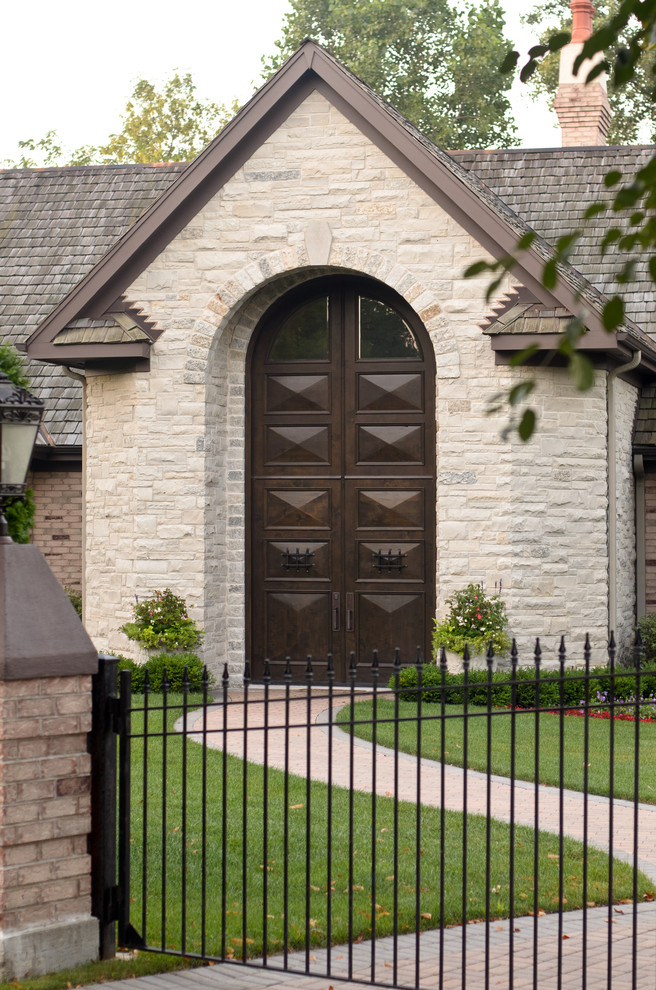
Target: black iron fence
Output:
[{"x": 473, "y": 830}]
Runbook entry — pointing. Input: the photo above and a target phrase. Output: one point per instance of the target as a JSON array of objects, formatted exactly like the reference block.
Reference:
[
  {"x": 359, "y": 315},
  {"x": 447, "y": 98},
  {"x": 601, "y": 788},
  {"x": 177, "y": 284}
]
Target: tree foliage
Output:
[
  {"x": 438, "y": 65},
  {"x": 169, "y": 124},
  {"x": 632, "y": 106},
  {"x": 11, "y": 363},
  {"x": 627, "y": 41}
]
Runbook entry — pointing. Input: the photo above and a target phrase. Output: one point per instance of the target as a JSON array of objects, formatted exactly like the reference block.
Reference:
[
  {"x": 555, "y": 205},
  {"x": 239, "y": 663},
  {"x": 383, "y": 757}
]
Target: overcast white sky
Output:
[{"x": 70, "y": 66}]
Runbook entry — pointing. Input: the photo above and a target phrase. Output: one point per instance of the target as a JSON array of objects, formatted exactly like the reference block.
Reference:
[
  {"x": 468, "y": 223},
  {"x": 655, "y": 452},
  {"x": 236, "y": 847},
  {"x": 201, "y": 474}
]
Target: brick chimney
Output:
[{"x": 583, "y": 111}]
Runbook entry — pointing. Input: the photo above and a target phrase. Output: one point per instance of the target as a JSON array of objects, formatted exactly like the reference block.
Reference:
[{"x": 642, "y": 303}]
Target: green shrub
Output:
[
  {"x": 573, "y": 686},
  {"x": 175, "y": 664},
  {"x": 474, "y": 619},
  {"x": 75, "y": 598},
  {"x": 19, "y": 513},
  {"x": 647, "y": 627},
  {"x": 162, "y": 621}
]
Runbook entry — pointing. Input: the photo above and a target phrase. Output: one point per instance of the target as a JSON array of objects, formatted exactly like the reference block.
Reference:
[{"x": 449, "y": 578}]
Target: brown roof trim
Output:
[
  {"x": 72, "y": 353},
  {"x": 310, "y": 68},
  {"x": 616, "y": 347}
]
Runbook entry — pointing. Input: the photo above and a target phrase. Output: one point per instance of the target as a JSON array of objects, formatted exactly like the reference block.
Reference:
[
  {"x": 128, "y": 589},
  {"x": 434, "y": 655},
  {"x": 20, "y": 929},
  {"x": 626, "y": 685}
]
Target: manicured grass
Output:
[
  {"x": 500, "y": 749},
  {"x": 142, "y": 964},
  {"x": 286, "y": 856}
]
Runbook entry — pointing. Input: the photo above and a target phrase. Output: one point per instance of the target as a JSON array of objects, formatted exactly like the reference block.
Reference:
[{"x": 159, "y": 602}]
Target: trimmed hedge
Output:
[
  {"x": 501, "y": 690},
  {"x": 175, "y": 664}
]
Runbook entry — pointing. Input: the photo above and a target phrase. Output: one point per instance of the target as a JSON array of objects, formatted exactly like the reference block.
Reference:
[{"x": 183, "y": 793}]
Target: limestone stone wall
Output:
[{"x": 166, "y": 451}]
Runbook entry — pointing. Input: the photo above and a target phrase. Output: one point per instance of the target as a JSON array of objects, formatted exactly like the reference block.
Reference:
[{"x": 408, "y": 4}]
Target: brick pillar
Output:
[{"x": 46, "y": 663}]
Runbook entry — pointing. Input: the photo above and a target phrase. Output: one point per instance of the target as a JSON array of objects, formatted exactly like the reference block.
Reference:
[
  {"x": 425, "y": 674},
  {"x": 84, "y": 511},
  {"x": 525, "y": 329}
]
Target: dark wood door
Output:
[{"x": 342, "y": 516}]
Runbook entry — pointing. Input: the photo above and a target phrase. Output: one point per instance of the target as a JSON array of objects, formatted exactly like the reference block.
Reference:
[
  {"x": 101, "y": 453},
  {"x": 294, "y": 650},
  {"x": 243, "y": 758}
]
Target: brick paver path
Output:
[{"x": 578, "y": 971}]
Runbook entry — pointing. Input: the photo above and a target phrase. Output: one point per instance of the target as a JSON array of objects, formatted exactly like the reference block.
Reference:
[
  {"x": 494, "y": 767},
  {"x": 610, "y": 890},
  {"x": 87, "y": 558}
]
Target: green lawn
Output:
[
  {"x": 501, "y": 750},
  {"x": 381, "y": 872}
]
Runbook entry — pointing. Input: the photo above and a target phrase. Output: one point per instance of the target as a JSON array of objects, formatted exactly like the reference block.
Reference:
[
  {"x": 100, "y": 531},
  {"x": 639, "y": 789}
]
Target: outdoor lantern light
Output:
[{"x": 20, "y": 416}]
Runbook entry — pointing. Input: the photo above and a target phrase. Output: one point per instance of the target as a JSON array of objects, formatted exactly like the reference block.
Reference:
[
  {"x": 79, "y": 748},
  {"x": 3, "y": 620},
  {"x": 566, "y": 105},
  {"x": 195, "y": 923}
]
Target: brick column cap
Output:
[{"x": 40, "y": 632}]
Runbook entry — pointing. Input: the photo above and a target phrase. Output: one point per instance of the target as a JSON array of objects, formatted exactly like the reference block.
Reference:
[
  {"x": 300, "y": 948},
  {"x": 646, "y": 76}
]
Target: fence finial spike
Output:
[
  {"x": 489, "y": 655},
  {"x": 309, "y": 673},
  {"x": 537, "y": 652},
  {"x": 465, "y": 657},
  {"x": 397, "y": 659},
  {"x": 330, "y": 667},
  {"x": 443, "y": 658},
  {"x": 353, "y": 667},
  {"x": 562, "y": 652},
  {"x": 514, "y": 655},
  {"x": 266, "y": 673},
  {"x": 288, "y": 669}
]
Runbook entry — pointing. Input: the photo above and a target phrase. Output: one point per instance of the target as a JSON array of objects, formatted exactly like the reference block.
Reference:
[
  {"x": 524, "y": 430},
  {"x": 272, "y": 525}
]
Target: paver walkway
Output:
[{"x": 577, "y": 972}]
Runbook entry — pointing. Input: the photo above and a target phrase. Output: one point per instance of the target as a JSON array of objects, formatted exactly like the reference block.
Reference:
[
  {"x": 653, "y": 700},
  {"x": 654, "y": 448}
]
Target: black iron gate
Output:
[{"x": 255, "y": 829}]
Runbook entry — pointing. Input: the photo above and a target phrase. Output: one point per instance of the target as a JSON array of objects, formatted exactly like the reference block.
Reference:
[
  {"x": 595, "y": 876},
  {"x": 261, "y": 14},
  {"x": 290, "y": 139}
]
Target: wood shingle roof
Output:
[{"x": 55, "y": 225}]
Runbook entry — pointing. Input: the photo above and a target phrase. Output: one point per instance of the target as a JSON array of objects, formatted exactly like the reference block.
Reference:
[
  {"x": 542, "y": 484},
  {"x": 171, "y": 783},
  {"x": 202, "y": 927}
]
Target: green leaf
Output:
[
  {"x": 538, "y": 50},
  {"x": 565, "y": 243},
  {"x": 523, "y": 356},
  {"x": 509, "y": 63},
  {"x": 613, "y": 313},
  {"x": 526, "y": 240},
  {"x": 582, "y": 371},
  {"x": 558, "y": 41},
  {"x": 477, "y": 268},
  {"x": 521, "y": 392},
  {"x": 596, "y": 71},
  {"x": 652, "y": 267},
  {"x": 610, "y": 237},
  {"x": 627, "y": 197},
  {"x": 594, "y": 210},
  {"x": 612, "y": 177},
  {"x": 526, "y": 426},
  {"x": 492, "y": 287},
  {"x": 528, "y": 70},
  {"x": 550, "y": 274}
]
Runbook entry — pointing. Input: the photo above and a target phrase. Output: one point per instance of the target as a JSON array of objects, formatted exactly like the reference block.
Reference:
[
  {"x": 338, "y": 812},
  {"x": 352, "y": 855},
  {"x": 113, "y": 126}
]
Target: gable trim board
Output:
[{"x": 310, "y": 69}]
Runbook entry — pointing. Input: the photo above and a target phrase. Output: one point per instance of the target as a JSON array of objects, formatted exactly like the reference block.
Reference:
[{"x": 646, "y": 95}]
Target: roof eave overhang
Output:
[
  {"x": 124, "y": 356},
  {"x": 309, "y": 69},
  {"x": 616, "y": 348}
]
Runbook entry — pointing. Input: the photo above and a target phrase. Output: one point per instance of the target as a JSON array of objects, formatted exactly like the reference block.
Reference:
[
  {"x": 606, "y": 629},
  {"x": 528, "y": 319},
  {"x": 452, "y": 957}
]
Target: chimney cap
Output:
[{"x": 582, "y": 13}]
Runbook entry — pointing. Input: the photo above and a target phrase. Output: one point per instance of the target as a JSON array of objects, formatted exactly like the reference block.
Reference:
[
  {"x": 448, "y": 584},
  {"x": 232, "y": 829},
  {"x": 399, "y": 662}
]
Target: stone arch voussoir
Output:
[{"x": 245, "y": 296}]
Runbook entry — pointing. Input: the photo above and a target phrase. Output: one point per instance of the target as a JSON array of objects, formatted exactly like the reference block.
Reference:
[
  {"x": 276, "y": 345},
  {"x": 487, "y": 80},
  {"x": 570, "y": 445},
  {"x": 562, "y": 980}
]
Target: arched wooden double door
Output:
[{"x": 342, "y": 479}]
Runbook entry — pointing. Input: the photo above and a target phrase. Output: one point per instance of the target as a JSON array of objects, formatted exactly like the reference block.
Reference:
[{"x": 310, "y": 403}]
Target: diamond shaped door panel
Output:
[
  {"x": 290, "y": 560},
  {"x": 390, "y": 509},
  {"x": 389, "y": 393},
  {"x": 296, "y": 624},
  {"x": 297, "y": 445},
  {"x": 390, "y": 561},
  {"x": 297, "y": 393},
  {"x": 390, "y": 444},
  {"x": 390, "y": 620},
  {"x": 294, "y": 509}
]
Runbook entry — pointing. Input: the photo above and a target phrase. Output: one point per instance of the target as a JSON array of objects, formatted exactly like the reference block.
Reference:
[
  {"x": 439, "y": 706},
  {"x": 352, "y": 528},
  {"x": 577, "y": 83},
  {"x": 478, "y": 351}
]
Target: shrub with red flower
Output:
[
  {"x": 474, "y": 618},
  {"x": 162, "y": 622}
]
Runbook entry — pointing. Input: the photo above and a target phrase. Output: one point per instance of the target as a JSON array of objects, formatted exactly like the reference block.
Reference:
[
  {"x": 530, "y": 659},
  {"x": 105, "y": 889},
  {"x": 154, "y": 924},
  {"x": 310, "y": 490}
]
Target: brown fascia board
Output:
[
  {"x": 309, "y": 69},
  {"x": 74, "y": 353},
  {"x": 616, "y": 347}
]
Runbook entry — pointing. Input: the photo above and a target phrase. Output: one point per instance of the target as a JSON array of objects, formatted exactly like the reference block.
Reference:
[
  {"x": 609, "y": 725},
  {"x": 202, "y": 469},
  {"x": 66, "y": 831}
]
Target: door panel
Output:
[{"x": 342, "y": 479}]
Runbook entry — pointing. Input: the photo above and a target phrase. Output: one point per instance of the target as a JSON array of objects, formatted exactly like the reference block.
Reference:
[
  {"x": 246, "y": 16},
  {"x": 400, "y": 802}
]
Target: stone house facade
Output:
[{"x": 286, "y": 380}]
